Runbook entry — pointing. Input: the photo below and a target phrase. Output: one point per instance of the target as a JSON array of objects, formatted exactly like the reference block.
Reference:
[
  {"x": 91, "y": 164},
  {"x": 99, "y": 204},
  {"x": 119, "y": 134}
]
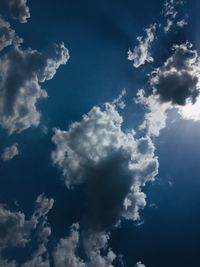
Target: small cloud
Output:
[
  {"x": 19, "y": 10},
  {"x": 141, "y": 53},
  {"x": 181, "y": 23},
  {"x": 10, "y": 152},
  {"x": 139, "y": 264}
]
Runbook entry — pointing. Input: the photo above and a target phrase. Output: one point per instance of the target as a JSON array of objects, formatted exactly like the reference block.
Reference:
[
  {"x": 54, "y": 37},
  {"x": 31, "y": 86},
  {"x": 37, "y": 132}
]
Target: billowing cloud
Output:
[
  {"x": 177, "y": 81},
  {"x": 7, "y": 35},
  {"x": 21, "y": 72},
  {"x": 94, "y": 245},
  {"x": 17, "y": 231},
  {"x": 141, "y": 53},
  {"x": 19, "y": 10},
  {"x": 10, "y": 152},
  {"x": 112, "y": 165}
]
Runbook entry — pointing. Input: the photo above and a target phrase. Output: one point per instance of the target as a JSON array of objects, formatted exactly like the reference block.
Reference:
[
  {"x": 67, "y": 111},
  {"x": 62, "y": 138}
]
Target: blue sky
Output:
[{"x": 99, "y": 126}]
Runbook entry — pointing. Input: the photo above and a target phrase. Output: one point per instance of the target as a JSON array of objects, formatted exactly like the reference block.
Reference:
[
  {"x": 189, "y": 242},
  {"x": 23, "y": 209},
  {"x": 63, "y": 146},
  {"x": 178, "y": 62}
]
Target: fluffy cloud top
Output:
[
  {"x": 21, "y": 72},
  {"x": 141, "y": 53},
  {"x": 19, "y": 10},
  {"x": 10, "y": 152},
  {"x": 94, "y": 245},
  {"x": 112, "y": 165}
]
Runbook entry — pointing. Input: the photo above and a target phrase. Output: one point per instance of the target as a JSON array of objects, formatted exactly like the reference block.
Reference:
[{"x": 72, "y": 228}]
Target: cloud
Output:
[
  {"x": 139, "y": 264},
  {"x": 21, "y": 72},
  {"x": 175, "y": 85},
  {"x": 177, "y": 81},
  {"x": 141, "y": 52},
  {"x": 10, "y": 152},
  {"x": 17, "y": 231},
  {"x": 19, "y": 10},
  {"x": 156, "y": 113},
  {"x": 112, "y": 165},
  {"x": 93, "y": 244},
  {"x": 65, "y": 253},
  {"x": 181, "y": 23},
  {"x": 170, "y": 13},
  {"x": 7, "y": 35}
]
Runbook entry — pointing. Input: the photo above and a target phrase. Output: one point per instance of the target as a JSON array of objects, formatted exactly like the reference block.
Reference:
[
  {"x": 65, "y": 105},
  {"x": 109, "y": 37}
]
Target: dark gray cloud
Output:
[
  {"x": 21, "y": 72},
  {"x": 19, "y": 10},
  {"x": 177, "y": 81}
]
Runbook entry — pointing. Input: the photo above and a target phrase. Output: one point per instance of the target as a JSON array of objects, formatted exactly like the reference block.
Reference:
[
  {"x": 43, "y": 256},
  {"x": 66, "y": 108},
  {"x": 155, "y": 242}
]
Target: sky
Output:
[{"x": 99, "y": 128}]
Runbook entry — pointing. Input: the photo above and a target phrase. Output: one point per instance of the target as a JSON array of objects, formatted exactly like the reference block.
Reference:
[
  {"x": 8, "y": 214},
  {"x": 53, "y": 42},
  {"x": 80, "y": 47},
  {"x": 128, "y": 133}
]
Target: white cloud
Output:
[
  {"x": 97, "y": 152},
  {"x": 141, "y": 52},
  {"x": 181, "y": 23},
  {"x": 10, "y": 152},
  {"x": 155, "y": 115},
  {"x": 21, "y": 72},
  {"x": 65, "y": 253},
  {"x": 95, "y": 246}
]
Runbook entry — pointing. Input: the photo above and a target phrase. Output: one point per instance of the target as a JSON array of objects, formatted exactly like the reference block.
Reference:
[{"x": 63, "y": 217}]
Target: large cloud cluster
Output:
[
  {"x": 21, "y": 72},
  {"x": 113, "y": 165},
  {"x": 141, "y": 53}
]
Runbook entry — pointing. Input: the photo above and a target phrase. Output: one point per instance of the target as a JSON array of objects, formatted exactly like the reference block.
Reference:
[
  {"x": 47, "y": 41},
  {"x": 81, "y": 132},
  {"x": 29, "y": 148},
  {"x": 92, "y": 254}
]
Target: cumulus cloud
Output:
[
  {"x": 10, "y": 152},
  {"x": 65, "y": 253},
  {"x": 94, "y": 245},
  {"x": 19, "y": 10},
  {"x": 175, "y": 85},
  {"x": 17, "y": 231},
  {"x": 7, "y": 35},
  {"x": 141, "y": 53},
  {"x": 21, "y": 72},
  {"x": 113, "y": 165},
  {"x": 177, "y": 81}
]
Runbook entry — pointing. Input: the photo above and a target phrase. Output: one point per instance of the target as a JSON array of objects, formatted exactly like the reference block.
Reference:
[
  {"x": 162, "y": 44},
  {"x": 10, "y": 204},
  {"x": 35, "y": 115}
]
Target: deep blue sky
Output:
[{"x": 98, "y": 35}]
